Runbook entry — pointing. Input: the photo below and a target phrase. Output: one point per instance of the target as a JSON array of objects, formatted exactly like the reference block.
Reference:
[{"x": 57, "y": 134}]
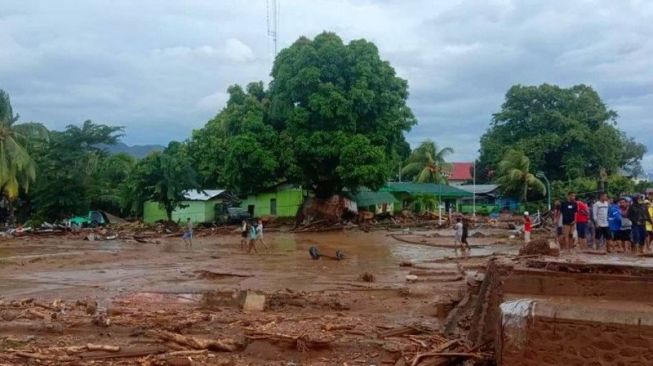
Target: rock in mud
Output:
[
  {"x": 537, "y": 247},
  {"x": 254, "y": 302}
]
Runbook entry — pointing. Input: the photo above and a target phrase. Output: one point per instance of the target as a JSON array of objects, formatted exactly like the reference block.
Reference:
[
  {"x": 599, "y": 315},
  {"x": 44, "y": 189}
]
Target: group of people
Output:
[
  {"x": 251, "y": 232},
  {"x": 624, "y": 224}
]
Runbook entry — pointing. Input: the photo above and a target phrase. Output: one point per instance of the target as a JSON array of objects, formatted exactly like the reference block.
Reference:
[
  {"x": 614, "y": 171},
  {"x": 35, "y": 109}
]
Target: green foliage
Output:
[
  {"x": 333, "y": 117},
  {"x": 160, "y": 177},
  {"x": 514, "y": 176},
  {"x": 329, "y": 97},
  {"x": 566, "y": 133},
  {"x": 17, "y": 168},
  {"x": 69, "y": 166},
  {"x": 110, "y": 180},
  {"x": 426, "y": 164}
]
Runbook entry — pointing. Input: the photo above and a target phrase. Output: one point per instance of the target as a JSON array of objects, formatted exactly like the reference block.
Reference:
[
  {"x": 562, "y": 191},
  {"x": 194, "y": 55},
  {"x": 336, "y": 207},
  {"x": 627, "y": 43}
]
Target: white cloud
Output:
[{"x": 152, "y": 64}]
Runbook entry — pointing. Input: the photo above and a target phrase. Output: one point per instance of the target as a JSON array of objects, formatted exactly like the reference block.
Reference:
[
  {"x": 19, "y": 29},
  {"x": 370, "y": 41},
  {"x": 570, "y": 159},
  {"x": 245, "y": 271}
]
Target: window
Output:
[{"x": 273, "y": 206}]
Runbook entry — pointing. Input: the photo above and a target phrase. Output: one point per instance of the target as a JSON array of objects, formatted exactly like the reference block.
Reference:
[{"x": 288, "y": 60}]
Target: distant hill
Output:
[{"x": 137, "y": 151}]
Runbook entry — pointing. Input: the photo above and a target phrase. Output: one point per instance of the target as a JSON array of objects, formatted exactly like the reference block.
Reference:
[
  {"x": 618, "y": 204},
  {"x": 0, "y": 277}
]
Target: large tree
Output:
[
  {"x": 162, "y": 177},
  {"x": 426, "y": 164},
  {"x": 332, "y": 99},
  {"x": 514, "y": 175},
  {"x": 17, "y": 168},
  {"x": 565, "y": 132}
]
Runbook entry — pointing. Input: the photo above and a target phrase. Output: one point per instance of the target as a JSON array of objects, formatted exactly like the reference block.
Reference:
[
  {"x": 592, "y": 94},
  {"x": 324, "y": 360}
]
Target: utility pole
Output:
[{"x": 273, "y": 8}]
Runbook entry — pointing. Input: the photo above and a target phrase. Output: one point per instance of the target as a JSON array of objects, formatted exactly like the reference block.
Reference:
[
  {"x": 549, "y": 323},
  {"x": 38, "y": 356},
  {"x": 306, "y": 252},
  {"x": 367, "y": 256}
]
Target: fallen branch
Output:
[
  {"x": 438, "y": 349},
  {"x": 102, "y": 347},
  {"x": 226, "y": 344}
]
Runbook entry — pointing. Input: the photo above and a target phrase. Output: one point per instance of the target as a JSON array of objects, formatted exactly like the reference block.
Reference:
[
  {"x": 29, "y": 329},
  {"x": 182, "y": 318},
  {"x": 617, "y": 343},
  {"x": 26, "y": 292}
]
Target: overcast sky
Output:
[{"x": 161, "y": 68}]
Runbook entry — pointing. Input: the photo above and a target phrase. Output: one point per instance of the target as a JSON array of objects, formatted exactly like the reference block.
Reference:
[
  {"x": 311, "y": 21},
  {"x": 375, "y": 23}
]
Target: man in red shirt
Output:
[{"x": 582, "y": 218}]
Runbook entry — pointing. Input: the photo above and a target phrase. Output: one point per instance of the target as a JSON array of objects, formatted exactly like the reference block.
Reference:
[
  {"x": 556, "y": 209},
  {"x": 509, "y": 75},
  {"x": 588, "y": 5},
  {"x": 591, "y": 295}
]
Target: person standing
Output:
[
  {"x": 528, "y": 227},
  {"x": 458, "y": 236},
  {"x": 601, "y": 224},
  {"x": 188, "y": 233},
  {"x": 568, "y": 211},
  {"x": 625, "y": 232},
  {"x": 638, "y": 216},
  {"x": 582, "y": 217},
  {"x": 463, "y": 239},
  {"x": 614, "y": 223}
]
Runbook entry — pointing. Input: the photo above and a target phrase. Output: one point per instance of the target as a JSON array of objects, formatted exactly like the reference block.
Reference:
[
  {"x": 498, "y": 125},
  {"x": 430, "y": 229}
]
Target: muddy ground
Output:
[{"x": 68, "y": 300}]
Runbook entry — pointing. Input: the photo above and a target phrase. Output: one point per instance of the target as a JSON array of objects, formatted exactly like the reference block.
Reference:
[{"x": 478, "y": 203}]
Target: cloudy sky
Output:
[{"x": 161, "y": 68}]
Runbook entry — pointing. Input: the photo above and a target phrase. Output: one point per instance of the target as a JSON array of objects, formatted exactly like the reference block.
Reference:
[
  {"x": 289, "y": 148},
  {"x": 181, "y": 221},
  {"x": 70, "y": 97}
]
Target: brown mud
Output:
[{"x": 64, "y": 300}]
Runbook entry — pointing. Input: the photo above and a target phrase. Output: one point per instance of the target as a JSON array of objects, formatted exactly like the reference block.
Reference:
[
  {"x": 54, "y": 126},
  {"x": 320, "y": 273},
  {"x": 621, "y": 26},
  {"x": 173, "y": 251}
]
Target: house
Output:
[
  {"x": 282, "y": 201},
  {"x": 461, "y": 173},
  {"x": 424, "y": 195},
  {"x": 488, "y": 199},
  {"x": 379, "y": 203},
  {"x": 201, "y": 206}
]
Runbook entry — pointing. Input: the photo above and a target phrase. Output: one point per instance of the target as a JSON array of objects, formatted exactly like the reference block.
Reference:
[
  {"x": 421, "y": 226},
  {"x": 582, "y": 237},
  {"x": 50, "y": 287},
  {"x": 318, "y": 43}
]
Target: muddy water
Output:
[{"x": 60, "y": 267}]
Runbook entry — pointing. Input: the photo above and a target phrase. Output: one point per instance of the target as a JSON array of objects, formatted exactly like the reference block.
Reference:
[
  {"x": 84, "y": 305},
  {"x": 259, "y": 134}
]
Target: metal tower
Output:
[{"x": 272, "y": 21}]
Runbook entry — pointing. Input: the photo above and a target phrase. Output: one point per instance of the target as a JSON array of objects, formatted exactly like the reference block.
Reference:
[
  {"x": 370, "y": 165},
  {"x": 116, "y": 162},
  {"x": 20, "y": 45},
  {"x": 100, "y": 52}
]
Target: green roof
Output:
[
  {"x": 426, "y": 188},
  {"x": 369, "y": 198}
]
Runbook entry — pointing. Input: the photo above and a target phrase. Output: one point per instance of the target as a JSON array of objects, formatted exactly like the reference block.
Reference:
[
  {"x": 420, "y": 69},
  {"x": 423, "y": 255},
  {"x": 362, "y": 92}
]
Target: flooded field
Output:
[{"x": 122, "y": 287}]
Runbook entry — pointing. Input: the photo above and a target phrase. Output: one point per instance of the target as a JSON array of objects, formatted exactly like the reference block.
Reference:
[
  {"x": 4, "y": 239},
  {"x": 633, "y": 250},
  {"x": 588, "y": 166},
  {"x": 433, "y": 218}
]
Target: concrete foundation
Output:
[{"x": 592, "y": 311}]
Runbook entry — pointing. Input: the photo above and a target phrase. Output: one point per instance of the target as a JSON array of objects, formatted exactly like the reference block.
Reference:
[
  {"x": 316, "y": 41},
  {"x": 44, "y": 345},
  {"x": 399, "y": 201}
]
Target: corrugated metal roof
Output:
[
  {"x": 426, "y": 188},
  {"x": 203, "y": 195},
  {"x": 368, "y": 198},
  {"x": 480, "y": 188}
]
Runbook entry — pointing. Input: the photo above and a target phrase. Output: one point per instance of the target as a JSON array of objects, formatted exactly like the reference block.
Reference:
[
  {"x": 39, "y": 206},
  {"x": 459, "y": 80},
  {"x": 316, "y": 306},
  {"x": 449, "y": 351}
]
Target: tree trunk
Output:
[
  {"x": 525, "y": 192},
  {"x": 169, "y": 213}
]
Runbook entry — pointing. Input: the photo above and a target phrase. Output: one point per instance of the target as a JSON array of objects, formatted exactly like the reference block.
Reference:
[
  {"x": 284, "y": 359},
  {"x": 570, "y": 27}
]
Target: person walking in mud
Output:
[
  {"x": 188, "y": 233},
  {"x": 458, "y": 236},
  {"x": 528, "y": 227},
  {"x": 243, "y": 234},
  {"x": 465, "y": 245},
  {"x": 259, "y": 233},
  {"x": 252, "y": 239}
]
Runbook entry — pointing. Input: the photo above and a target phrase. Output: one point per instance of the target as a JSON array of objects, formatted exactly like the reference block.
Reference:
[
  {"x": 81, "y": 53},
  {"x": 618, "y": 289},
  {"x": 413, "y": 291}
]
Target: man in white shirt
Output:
[{"x": 600, "y": 217}]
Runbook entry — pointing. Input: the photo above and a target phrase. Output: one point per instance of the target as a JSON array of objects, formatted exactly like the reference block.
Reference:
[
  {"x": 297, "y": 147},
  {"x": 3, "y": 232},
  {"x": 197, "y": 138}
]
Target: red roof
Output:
[{"x": 461, "y": 171}]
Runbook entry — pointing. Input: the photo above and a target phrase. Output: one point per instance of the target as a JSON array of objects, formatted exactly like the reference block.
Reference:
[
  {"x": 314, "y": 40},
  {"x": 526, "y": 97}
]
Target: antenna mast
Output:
[{"x": 272, "y": 22}]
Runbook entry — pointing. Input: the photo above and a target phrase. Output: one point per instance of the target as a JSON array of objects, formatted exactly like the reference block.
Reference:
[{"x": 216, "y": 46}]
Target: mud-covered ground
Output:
[{"x": 160, "y": 302}]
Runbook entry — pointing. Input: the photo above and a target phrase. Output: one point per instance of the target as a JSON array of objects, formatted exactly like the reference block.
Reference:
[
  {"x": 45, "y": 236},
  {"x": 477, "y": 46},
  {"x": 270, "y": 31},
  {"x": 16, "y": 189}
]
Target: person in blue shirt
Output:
[{"x": 614, "y": 224}]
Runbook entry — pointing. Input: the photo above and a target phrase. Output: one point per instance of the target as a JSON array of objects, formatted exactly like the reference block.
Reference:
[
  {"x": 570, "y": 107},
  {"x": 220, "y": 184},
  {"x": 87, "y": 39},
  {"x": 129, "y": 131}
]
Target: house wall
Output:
[
  {"x": 198, "y": 211},
  {"x": 288, "y": 202}
]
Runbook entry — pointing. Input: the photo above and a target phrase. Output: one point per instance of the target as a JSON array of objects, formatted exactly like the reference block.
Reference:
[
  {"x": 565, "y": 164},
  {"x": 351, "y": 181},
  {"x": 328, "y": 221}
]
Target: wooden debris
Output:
[
  {"x": 102, "y": 347},
  {"x": 226, "y": 344},
  {"x": 441, "y": 348}
]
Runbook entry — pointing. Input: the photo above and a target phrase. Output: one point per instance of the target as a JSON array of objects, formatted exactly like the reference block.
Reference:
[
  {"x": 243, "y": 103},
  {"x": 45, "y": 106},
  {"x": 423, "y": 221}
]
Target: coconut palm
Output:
[
  {"x": 514, "y": 176},
  {"x": 426, "y": 163},
  {"x": 17, "y": 168}
]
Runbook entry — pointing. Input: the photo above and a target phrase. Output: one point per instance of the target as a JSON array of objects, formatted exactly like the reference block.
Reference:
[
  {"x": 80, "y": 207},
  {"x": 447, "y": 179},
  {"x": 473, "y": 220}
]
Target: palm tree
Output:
[
  {"x": 426, "y": 163},
  {"x": 513, "y": 175},
  {"x": 17, "y": 168}
]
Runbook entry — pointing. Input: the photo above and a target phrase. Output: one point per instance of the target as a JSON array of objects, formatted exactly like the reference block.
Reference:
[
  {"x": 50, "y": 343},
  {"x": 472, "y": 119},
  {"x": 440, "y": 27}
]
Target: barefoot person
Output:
[
  {"x": 601, "y": 224},
  {"x": 568, "y": 212},
  {"x": 582, "y": 217},
  {"x": 243, "y": 235},
  {"x": 252, "y": 239},
  {"x": 624, "y": 235},
  {"x": 259, "y": 233},
  {"x": 528, "y": 227},
  {"x": 458, "y": 235},
  {"x": 465, "y": 245},
  {"x": 188, "y": 233},
  {"x": 638, "y": 215}
]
